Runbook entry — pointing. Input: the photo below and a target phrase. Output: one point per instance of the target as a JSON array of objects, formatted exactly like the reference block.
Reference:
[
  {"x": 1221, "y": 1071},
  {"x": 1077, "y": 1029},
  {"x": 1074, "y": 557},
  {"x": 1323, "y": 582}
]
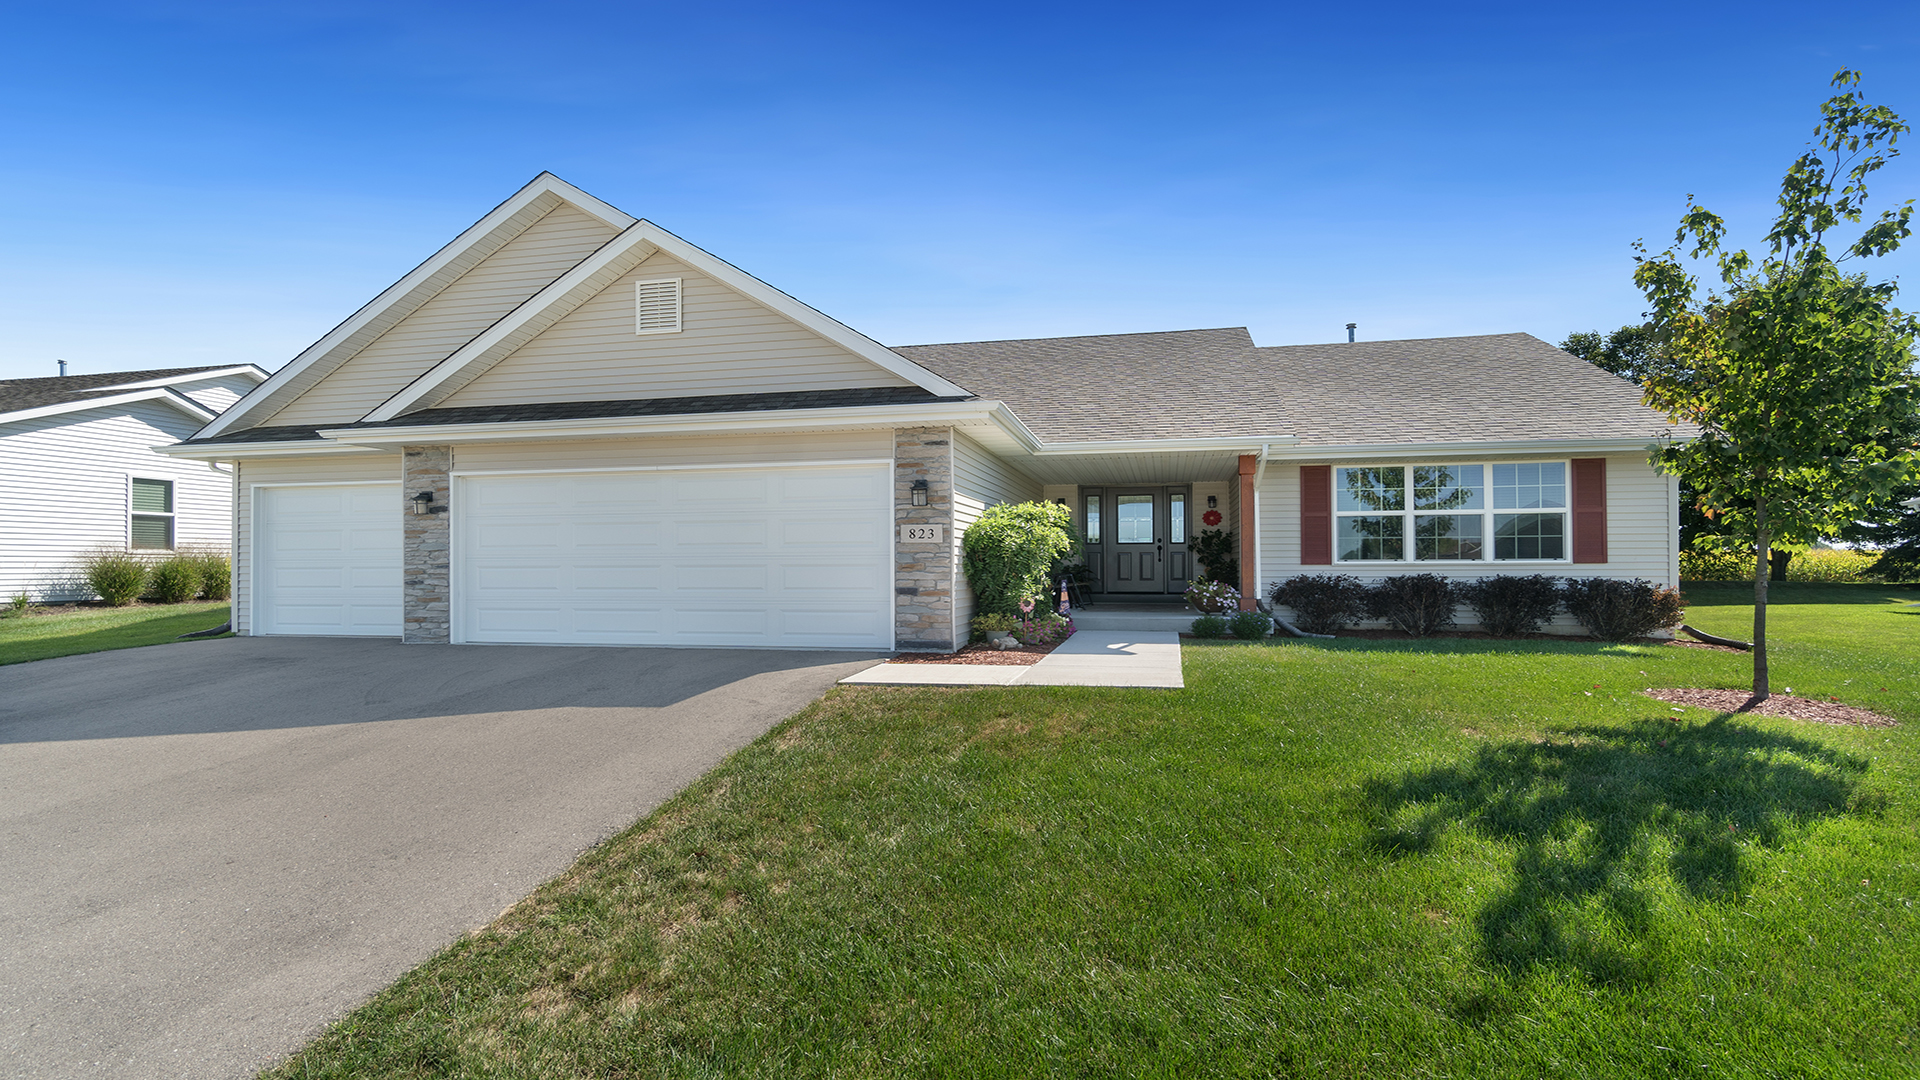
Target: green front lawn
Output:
[
  {"x": 38, "y": 637},
  {"x": 1355, "y": 858}
]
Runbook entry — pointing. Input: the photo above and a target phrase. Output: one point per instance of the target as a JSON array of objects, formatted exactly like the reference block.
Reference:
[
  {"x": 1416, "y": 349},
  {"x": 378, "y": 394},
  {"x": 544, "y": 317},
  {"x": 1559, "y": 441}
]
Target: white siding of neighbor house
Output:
[
  {"x": 66, "y": 481},
  {"x": 980, "y": 480},
  {"x": 1642, "y": 533},
  {"x": 729, "y": 345},
  {"x": 528, "y": 263},
  {"x": 330, "y": 469},
  {"x": 217, "y": 394}
]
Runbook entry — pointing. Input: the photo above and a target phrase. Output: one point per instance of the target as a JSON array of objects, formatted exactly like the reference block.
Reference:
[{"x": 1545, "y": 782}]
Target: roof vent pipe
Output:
[
  {"x": 1350, "y": 328},
  {"x": 63, "y": 366}
]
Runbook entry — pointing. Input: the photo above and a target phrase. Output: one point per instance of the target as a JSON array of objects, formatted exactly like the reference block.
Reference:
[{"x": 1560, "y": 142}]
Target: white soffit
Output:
[{"x": 486, "y": 236}]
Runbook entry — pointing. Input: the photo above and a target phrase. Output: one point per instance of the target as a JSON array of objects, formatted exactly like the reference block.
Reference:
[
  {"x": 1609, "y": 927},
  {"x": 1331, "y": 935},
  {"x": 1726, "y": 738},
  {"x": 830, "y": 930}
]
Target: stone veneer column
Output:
[
  {"x": 425, "y": 560},
  {"x": 923, "y": 573}
]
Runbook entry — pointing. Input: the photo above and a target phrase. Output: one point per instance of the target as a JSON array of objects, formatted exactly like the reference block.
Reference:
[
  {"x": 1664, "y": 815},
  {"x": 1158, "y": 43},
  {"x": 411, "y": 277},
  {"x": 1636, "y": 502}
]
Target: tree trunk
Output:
[
  {"x": 1778, "y": 560},
  {"x": 1762, "y": 563}
]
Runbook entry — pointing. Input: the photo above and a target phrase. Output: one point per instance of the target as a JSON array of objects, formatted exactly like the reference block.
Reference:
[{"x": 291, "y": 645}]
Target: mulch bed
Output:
[
  {"x": 1791, "y": 708},
  {"x": 982, "y": 654}
]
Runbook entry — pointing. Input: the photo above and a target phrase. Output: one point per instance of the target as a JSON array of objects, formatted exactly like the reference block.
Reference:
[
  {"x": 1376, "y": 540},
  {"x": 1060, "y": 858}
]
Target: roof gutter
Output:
[{"x": 1350, "y": 451}]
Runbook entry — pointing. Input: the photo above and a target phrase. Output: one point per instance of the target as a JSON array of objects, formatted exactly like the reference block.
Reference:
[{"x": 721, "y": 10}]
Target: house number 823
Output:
[{"x": 922, "y": 534}]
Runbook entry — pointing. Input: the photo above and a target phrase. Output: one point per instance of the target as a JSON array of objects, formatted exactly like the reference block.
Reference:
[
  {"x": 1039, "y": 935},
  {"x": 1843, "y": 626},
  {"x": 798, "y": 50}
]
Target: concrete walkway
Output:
[{"x": 1088, "y": 658}]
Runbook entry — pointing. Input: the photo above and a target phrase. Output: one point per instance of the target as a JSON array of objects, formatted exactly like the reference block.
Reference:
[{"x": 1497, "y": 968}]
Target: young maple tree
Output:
[{"x": 1798, "y": 373}]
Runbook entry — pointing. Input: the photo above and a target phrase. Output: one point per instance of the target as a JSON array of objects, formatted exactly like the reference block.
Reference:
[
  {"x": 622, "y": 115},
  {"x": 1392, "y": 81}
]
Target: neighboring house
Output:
[
  {"x": 570, "y": 426},
  {"x": 79, "y": 471}
]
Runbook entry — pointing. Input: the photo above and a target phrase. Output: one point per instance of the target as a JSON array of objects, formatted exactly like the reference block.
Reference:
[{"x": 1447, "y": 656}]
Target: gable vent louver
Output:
[{"x": 656, "y": 306}]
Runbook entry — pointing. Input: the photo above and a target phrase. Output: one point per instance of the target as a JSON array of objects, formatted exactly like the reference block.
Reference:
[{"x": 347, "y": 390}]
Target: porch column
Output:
[
  {"x": 1249, "y": 536},
  {"x": 425, "y": 560},
  {"x": 923, "y": 570}
]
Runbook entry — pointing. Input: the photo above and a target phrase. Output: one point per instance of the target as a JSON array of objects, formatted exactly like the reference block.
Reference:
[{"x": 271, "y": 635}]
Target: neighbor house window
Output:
[
  {"x": 1447, "y": 513},
  {"x": 150, "y": 526}
]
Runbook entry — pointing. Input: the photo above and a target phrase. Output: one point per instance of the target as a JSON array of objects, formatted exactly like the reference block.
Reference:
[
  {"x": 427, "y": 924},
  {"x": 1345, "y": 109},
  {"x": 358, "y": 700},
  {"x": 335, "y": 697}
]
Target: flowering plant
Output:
[{"x": 1213, "y": 597}]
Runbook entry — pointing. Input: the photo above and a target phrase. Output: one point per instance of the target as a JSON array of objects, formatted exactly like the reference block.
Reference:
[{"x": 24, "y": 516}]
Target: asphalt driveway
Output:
[{"x": 210, "y": 850}]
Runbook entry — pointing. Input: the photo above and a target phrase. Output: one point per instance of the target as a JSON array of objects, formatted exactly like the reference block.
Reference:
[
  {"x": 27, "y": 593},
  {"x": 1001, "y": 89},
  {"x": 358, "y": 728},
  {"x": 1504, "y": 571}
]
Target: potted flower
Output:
[{"x": 1213, "y": 597}]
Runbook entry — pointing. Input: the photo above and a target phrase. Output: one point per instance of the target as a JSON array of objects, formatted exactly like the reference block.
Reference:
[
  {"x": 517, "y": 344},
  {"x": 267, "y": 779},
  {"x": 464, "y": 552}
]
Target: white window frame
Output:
[
  {"x": 640, "y": 306},
  {"x": 172, "y": 516},
  {"x": 1487, "y": 513}
]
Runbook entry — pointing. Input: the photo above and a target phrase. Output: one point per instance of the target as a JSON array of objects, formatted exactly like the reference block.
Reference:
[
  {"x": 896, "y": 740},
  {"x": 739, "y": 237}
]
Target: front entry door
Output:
[{"x": 1146, "y": 541}]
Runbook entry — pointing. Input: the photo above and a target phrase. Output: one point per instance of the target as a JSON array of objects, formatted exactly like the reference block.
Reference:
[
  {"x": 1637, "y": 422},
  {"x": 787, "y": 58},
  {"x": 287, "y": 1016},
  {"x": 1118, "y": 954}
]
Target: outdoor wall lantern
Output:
[
  {"x": 1213, "y": 501},
  {"x": 423, "y": 504},
  {"x": 920, "y": 492}
]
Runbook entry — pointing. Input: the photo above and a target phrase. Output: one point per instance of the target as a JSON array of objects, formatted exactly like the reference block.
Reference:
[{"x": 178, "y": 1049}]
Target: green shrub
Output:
[
  {"x": 1213, "y": 550},
  {"x": 1322, "y": 603},
  {"x": 1616, "y": 610},
  {"x": 216, "y": 572},
  {"x": 1213, "y": 597},
  {"x": 1698, "y": 564},
  {"x": 1509, "y": 606},
  {"x": 1210, "y": 626},
  {"x": 175, "y": 580},
  {"x": 1834, "y": 566},
  {"x": 1420, "y": 604},
  {"x": 1250, "y": 625},
  {"x": 995, "y": 624},
  {"x": 1900, "y": 563},
  {"x": 1008, "y": 552},
  {"x": 16, "y": 606},
  {"x": 118, "y": 577}
]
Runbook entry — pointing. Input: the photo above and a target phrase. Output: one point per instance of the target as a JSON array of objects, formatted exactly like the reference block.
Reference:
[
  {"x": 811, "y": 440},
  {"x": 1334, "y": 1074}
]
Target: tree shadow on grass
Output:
[{"x": 1604, "y": 821}]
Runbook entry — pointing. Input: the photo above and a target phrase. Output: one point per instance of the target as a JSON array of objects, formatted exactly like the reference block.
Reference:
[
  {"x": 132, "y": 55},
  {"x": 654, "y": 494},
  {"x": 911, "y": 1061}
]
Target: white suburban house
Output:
[
  {"x": 570, "y": 426},
  {"x": 77, "y": 463}
]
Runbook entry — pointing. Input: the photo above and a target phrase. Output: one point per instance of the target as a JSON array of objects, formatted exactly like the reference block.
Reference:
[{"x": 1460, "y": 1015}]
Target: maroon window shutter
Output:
[
  {"x": 1316, "y": 515},
  {"x": 1590, "y": 510}
]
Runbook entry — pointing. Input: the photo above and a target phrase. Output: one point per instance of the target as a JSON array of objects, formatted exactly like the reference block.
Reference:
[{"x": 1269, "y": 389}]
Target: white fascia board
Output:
[
  {"x": 254, "y": 371},
  {"x": 1398, "y": 451},
  {"x": 421, "y": 393},
  {"x": 543, "y": 186},
  {"x": 955, "y": 413},
  {"x": 157, "y": 393},
  {"x": 238, "y": 451},
  {"x": 1254, "y": 445}
]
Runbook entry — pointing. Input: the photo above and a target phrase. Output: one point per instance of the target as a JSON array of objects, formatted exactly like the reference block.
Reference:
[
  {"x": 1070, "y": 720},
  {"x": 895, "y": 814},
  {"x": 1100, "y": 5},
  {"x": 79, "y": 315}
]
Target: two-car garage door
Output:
[{"x": 787, "y": 557}]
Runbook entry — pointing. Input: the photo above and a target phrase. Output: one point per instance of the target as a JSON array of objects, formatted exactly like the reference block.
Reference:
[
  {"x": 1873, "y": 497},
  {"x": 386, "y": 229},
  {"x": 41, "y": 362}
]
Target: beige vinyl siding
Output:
[
  {"x": 676, "y": 450},
  {"x": 453, "y": 317},
  {"x": 1642, "y": 532},
  {"x": 328, "y": 469},
  {"x": 66, "y": 481},
  {"x": 729, "y": 345},
  {"x": 980, "y": 480}
]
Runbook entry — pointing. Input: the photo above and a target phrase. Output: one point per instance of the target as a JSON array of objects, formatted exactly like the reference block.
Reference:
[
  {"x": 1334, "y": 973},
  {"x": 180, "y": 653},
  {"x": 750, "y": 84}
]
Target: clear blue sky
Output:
[{"x": 211, "y": 183}]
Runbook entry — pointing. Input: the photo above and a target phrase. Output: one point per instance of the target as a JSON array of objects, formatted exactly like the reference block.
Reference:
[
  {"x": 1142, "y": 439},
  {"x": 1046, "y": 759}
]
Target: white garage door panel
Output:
[
  {"x": 328, "y": 560},
  {"x": 778, "y": 558}
]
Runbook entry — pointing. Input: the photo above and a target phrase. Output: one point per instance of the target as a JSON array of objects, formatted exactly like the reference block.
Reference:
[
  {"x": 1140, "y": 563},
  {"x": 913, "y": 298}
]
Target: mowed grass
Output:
[
  {"x": 1356, "y": 858},
  {"x": 39, "y": 637}
]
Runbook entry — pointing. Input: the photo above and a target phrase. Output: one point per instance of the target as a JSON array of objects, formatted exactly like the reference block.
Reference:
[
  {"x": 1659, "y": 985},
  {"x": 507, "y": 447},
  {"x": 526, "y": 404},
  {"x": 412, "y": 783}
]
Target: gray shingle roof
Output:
[
  {"x": 17, "y": 394},
  {"x": 1207, "y": 383},
  {"x": 592, "y": 410},
  {"x": 1181, "y": 383}
]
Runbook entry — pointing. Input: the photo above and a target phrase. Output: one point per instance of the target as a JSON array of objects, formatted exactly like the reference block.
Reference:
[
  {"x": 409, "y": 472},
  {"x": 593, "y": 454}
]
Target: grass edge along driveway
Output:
[
  {"x": 89, "y": 630},
  {"x": 1363, "y": 858}
]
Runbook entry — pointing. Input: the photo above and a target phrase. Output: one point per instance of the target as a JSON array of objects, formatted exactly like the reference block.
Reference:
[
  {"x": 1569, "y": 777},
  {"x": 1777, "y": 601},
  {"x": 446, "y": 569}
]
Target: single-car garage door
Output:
[
  {"x": 792, "y": 557},
  {"x": 327, "y": 560}
]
